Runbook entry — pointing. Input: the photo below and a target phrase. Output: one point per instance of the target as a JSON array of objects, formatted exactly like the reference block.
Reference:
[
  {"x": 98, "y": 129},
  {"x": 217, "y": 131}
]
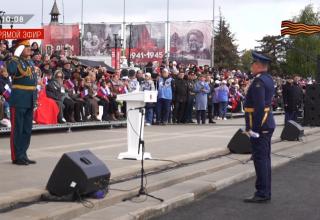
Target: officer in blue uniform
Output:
[
  {"x": 260, "y": 125},
  {"x": 22, "y": 101}
]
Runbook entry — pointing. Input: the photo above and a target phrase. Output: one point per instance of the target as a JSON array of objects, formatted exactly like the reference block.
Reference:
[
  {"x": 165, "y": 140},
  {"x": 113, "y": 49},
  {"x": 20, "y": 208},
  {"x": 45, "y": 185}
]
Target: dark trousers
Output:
[
  {"x": 149, "y": 113},
  {"x": 113, "y": 106},
  {"x": 61, "y": 108},
  {"x": 79, "y": 113},
  {"x": 188, "y": 112},
  {"x": 210, "y": 111},
  {"x": 91, "y": 107},
  {"x": 223, "y": 107},
  {"x": 179, "y": 109},
  {"x": 21, "y": 128},
  {"x": 68, "y": 111},
  {"x": 290, "y": 116},
  {"x": 201, "y": 114},
  {"x": 216, "y": 109},
  {"x": 261, "y": 150},
  {"x": 1, "y": 110},
  {"x": 163, "y": 110}
]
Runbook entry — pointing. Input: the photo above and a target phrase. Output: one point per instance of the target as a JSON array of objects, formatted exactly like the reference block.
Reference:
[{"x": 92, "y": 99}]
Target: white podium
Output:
[{"x": 136, "y": 100}]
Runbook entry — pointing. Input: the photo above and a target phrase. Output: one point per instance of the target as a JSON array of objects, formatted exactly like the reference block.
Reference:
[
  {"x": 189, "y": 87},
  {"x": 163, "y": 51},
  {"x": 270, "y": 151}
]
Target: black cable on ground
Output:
[
  {"x": 85, "y": 202},
  {"x": 164, "y": 160},
  {"x": 167, "y": 169}
]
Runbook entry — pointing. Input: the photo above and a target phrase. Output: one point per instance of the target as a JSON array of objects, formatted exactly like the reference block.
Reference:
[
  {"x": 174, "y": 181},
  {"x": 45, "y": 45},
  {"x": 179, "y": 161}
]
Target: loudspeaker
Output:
[
  {"x": 292, "y": 131},
  {"x": 312, "y": 105},
  {"x": 80, "y": 172},
  {"x": 240, "y": 143}
]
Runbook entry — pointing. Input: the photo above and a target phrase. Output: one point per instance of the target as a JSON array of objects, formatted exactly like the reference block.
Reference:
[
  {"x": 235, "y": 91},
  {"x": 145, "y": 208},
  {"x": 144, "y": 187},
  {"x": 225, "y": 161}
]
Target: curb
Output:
[
  {"x": 33, "y": 194},
  {"x": 187, "y": 198},
  {"x": 76, "y": 210}
]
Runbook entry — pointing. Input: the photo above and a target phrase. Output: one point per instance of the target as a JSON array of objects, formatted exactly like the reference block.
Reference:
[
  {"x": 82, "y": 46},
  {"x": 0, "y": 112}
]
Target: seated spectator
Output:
[
  {"x": 79, "y": 103},
  {"x": 89, "y": 95},
  {"x": 5, "y": 91},
  {"x": 66, "y": 69},
  {"x": 35, "y": 47},
  {"x": 118, "y": 87},
  {"x": 104, "y": 100},
  {"x": 57, "y": 92},
  {"x": 4, "y": 53},
  {"x": 47, "y": 110},
  {"x": 36, "y": 58}
]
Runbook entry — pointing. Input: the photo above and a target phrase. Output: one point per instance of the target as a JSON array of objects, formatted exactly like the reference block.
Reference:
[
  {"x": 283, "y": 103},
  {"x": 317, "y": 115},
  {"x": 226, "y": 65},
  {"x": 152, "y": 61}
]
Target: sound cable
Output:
[
  {"x": 164, "y": 160},
  {"x": 85, "y": 202},
  {"x": 128, "y": 119},
  {"x": 125, "y": 190}
]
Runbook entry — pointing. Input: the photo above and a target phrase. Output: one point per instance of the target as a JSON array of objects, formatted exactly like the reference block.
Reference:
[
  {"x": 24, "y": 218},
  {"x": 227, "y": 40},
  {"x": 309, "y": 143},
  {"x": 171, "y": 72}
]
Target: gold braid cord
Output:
[
  {"x": 291, "y": 28},
  {"x": 24, "y": 72}
]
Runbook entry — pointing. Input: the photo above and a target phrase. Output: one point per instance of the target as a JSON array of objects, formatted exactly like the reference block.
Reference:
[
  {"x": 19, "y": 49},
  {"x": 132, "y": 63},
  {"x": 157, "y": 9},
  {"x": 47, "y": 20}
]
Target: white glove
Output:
[{"x": 253, "y": 134}]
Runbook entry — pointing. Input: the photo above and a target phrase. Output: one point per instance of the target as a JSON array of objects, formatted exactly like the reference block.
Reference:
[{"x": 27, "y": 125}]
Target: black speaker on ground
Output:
[
  {"x": 240, "y": 143},
  {"x": 292, "y": 131},
  {"x": 312, "y": 105},
  {"x": 80, "y": 172}
]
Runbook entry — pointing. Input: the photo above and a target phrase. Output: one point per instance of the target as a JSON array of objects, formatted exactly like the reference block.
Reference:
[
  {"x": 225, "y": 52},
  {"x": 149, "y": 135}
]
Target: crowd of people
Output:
[{"x": 71, "y": 92}]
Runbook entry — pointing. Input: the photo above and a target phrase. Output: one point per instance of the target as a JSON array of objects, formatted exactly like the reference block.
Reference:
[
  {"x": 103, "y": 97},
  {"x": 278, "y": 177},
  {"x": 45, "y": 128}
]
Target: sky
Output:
[{"x": 249, "y": 20}]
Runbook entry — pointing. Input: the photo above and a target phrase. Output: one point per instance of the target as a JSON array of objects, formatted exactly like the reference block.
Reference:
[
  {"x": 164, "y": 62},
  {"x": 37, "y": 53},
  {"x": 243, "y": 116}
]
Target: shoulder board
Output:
[
  {"x": 12, "y": 61},
  {"x": 258, "y": 82},
  {"x": 15, "y": 58}
]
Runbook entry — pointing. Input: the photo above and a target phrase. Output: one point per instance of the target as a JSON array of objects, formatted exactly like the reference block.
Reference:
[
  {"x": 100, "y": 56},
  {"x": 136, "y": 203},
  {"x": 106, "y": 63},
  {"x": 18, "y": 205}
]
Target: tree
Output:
[
  {"x": 246, "y": 60},
  {"x": 301, "y": 57},
  {"x": 225, "y": 51},
  {"x": 274, "y": 47}
]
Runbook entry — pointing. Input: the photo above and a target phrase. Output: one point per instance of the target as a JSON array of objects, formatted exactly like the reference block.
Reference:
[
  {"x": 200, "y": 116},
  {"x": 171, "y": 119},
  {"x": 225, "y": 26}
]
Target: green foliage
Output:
[
  {"x": 246, "y": 60},
  {"x": 274, "y": 47},
  {"x": 294, "y": 54},
  {"x": 225, "y": 51},
  {"x": 301, "y": 58}
]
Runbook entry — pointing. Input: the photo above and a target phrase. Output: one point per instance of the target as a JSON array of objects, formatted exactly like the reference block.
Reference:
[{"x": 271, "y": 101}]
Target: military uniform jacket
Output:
[
  {"x": 258, "y": 111},
  {"x": 24, "y": 81}
]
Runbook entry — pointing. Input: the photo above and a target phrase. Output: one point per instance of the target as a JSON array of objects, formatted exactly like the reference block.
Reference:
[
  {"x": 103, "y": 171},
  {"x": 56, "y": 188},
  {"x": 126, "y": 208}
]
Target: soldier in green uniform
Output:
[{"x": 22, "y": 101}]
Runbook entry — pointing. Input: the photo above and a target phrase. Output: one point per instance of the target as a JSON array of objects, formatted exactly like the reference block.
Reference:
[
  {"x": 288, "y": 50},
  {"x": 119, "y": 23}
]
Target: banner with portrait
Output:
[
  {"x": 98, "y": 39},
  {"x": 190, "y": 42},
  {"x": 64, "y": 39},
  {"x": 145, "y": 42}
]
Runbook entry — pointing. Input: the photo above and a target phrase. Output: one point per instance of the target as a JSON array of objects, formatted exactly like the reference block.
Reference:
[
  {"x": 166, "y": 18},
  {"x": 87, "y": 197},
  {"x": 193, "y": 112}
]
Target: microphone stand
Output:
[{"x": 142, "y": 190}]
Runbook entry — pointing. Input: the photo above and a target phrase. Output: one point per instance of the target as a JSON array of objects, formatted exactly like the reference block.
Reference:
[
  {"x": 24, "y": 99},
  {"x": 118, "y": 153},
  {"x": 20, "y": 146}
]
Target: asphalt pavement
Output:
[{"x": 295, "y": 196}]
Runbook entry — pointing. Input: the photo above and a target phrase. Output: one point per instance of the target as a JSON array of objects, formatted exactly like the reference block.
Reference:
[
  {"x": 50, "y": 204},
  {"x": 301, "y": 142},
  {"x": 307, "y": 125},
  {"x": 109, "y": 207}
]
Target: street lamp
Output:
[
  {"x": 11, "y": 21},
  {"x": 130, "y": 44},
  {"x": 1, "y": 18},
  {"x": 117, "y": 44}
]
